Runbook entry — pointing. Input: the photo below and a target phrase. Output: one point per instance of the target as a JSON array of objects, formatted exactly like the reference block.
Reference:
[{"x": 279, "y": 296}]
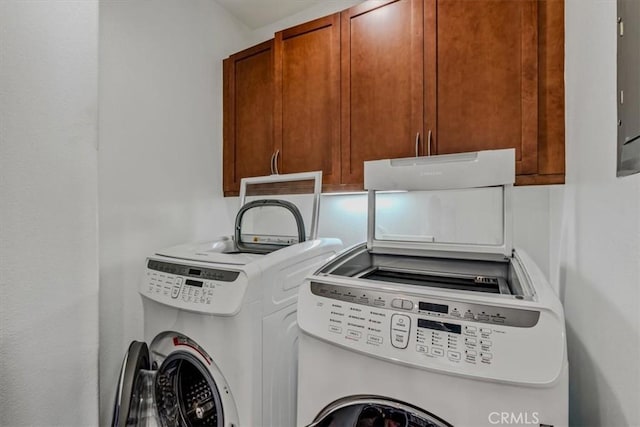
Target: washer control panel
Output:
[
  {"x": 186, "y": 286},
  {"x": 445, "y": 309},
  {"x": 416, "y": 330}
]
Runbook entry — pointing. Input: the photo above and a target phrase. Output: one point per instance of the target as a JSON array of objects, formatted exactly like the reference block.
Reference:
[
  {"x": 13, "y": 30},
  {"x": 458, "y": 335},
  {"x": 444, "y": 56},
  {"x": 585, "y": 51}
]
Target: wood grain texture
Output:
[
  {"x": 551, "y": 156},
  {"x": 540, "y": 179},
  {"x": 248, "y": 112},
  {"x": 486, "y": 78},
  {"x": 382, "y": 83},
  {"x": 306, "y": 186},
  {"x": 307, "y": 114}
]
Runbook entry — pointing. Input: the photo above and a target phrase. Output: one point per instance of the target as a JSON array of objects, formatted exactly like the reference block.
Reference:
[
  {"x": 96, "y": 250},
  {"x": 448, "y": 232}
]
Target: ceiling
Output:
[{"x": 257, "y": 13}]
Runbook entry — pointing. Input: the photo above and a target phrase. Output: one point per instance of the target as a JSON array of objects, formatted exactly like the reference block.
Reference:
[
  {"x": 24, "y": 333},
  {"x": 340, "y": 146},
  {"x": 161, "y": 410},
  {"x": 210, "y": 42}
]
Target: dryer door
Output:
[
  {"x": 126, "y": 404},
  {"x": 374, "y": 411}
]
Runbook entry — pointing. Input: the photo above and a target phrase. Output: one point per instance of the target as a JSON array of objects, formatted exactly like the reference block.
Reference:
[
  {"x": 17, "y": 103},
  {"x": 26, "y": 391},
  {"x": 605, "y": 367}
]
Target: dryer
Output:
[
  {"x": 432, "y": 322},
  {"x": 220, "y": 318}
]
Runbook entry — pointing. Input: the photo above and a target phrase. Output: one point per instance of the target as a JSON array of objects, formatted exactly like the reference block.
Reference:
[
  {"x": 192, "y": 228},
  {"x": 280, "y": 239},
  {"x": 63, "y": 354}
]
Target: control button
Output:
[
  {"x": 471, "y": 353},
  {"x": 399, "y": 339},
  {"x": 396, "y": 303},
  {"x": 421, "y": 348},
  {"x": 486, "y": 356},
  {"x": 470, "y": 341},
  {"x": 175, "y": 291},
  {"x": 485, "y": 343},
  {"x": 208, "y": 300},
  {"x": 354, "y": 334},
  {"x": 454, "y": 355},
  {"x": 485, "y": 331},
  {"x": 455, "y": 312},
  {"x": 437, "y": 352},
  {"x": 400, "y": 322},
  {"x": 374, "y": 339},
  {"x": 471, "y": 330},
  {"x": 407, "y": 305},
  {"x": 469, "y": 315},
  {"x": 335, "y": 329}
]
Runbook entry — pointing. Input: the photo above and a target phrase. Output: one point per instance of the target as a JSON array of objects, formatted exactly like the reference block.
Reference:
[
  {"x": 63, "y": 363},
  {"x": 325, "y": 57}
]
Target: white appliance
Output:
[
  {"x": 422, "y": 327},
  {"x": 220, "y": 318}
]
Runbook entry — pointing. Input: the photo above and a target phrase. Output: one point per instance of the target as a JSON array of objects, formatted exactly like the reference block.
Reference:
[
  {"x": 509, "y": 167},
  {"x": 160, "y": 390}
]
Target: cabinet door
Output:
[
  {"x": 307, "y": 108},
  {"x": 382, "y": 83},
  {"x": 248, "y": 115},
  {"x": 482, "y": 86}
]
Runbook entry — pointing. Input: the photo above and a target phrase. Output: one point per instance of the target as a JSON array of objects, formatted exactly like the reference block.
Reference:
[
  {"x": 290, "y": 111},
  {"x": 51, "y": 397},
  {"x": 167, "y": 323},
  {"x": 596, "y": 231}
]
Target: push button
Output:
[
  {"x": 407, "y": 305},
  {"x": 356, "y": 335},
  {"x": 454, "y": 355},
  {"x": 335, "y": 329},
  {"x": 437, "y": 352},
  {"x": 374, "y": 339},
  {"x": 396, "y": 303},
  {"x": 400, "y": 322}
]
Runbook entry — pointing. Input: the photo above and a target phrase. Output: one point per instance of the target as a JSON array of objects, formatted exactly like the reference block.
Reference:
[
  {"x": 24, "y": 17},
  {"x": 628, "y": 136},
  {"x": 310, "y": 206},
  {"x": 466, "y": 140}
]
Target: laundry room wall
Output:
[
  {"x": 48, "y": 213},
  {"x": 160, "y": 151},
  {"x": 595, "y": 225}
]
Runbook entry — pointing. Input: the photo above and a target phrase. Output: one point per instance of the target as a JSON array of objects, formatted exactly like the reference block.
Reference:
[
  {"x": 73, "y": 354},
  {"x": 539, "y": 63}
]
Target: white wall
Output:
[
  {"x": 48, "y": 213},
  {"x": 160, "y": 152},
  {"x": 596, "y": 220}
]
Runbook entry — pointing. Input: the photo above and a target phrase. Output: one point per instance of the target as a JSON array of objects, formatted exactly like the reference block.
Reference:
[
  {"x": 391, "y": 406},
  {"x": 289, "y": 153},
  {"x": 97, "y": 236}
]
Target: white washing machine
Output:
[
  {"x": 433, "y": 322},
  {"x": 220, "y": 318}
]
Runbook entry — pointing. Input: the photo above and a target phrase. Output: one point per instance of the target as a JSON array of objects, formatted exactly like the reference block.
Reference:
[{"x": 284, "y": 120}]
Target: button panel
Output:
[
  {"x": 171, "y": 287},
  {"x": 455, "y": 310},
  {"x": 361, "y": 323}
]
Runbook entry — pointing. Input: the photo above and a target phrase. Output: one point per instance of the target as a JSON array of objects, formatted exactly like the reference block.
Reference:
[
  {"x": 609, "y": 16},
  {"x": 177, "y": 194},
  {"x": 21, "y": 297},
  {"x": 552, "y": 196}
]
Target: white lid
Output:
[
  {"x": 302, "y": 189},
  {"x": 445, "y": 205}
]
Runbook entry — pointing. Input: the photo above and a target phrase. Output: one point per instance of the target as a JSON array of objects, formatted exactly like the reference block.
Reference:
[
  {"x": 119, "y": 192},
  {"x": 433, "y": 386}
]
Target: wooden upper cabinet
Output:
[
  {"x": 481, "y": 62},
  {"x": 400, "y": 78},
  {"x": 248, "y": 115},
  {"x": 382, "y": 83},
  {"x": 307, "y": 100}
]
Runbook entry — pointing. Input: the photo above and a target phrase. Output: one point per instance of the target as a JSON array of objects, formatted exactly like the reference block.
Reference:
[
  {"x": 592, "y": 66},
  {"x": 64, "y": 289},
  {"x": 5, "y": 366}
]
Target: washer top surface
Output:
[{"x": 221, "y": 251}]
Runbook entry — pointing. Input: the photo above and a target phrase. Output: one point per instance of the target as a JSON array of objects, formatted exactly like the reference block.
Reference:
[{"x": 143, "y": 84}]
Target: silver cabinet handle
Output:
[
  {"x": 273, "y": 155},
  {"x": 275, "y": 161},
  {"x": 417, "y": 143},
  {"x": 429, "y": 143}
]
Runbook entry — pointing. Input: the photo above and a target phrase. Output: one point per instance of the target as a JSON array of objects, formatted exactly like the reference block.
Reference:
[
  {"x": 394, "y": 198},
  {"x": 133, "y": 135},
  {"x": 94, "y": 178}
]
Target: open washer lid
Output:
[
  {"x": 294, "y": 185},
  {"x": 447, "y": 205}
]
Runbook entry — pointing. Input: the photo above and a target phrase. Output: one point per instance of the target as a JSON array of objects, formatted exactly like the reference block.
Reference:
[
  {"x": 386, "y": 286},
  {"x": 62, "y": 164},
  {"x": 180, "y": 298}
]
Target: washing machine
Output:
[
  {"x": 436, "y": 320},
  {"x": 220, "y": 331}
]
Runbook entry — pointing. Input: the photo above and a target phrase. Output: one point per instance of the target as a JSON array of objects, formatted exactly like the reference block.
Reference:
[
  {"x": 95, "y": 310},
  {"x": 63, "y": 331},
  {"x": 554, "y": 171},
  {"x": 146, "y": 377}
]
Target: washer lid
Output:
[
  {"x": 136, "y": 360},
  {"x": 447, "y": 205},
  {"x": 375, "y": 411}
]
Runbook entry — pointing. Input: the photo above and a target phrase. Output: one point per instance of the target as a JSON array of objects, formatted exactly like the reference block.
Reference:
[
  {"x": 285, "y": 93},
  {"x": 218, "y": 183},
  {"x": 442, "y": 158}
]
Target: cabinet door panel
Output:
[
  {"x": 308, "y": 98},
  {"x": 382, "y": 81},
  {"x": 248, "y": 110},
  {"x": 486, "y": 75}
]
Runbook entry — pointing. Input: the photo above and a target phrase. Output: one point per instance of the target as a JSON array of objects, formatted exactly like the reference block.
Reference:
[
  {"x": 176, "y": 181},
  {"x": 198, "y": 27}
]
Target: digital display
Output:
[
  {"x": 437, "y": 308},
  {"x": 194, "y": 272},
  {"x": 440, "y": 326},
  {"x": 195, "y": 283}
]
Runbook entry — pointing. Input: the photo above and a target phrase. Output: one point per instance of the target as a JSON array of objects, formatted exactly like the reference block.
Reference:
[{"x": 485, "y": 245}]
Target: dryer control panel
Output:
[
  {"x": 191, "y": 287},
  {"x": 498, "y": 342}
]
